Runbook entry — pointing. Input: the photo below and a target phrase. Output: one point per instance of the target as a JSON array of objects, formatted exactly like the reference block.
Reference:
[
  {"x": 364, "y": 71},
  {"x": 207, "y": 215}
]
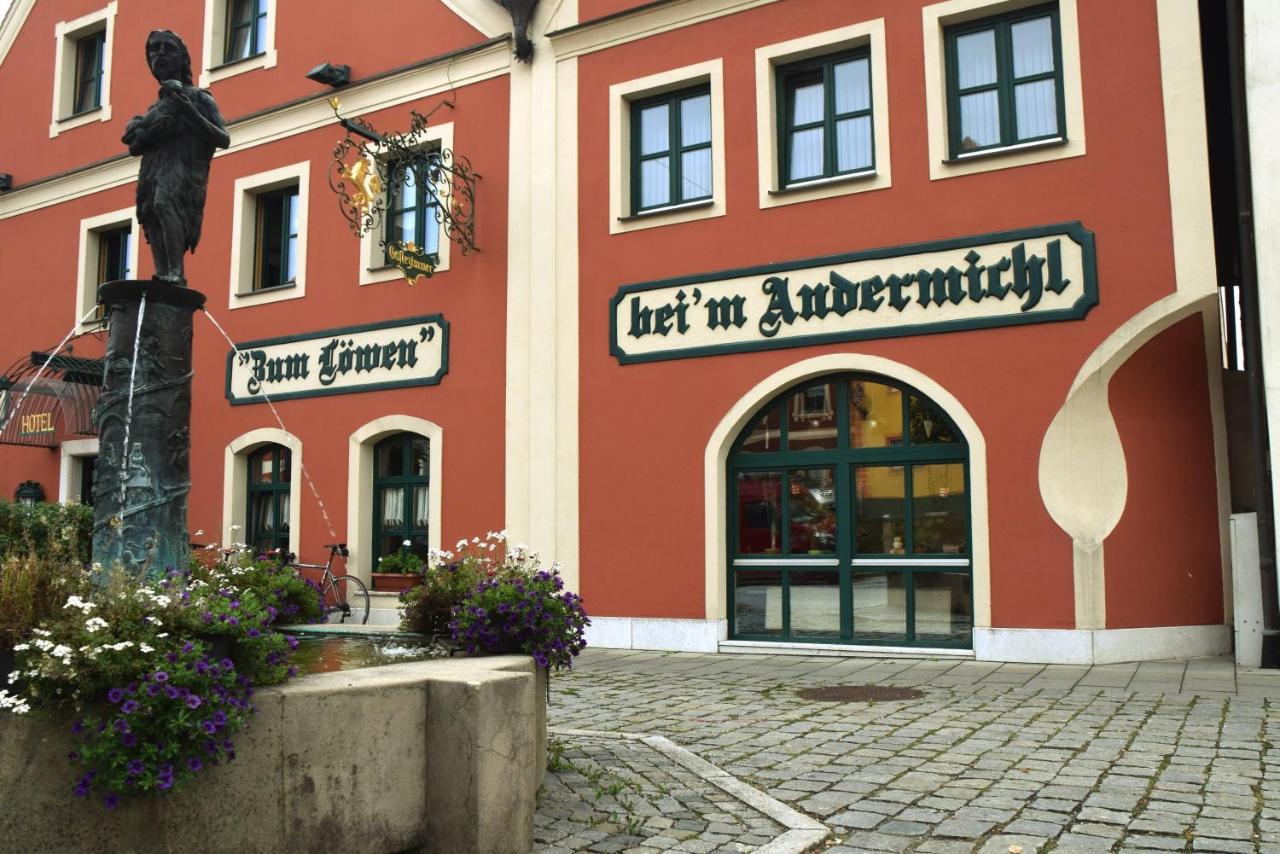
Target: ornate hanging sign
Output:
[
  {"x": 1033, "y": 275},
  {"x": 375, "y": 356},
  {"x": 374, "y": 174}
]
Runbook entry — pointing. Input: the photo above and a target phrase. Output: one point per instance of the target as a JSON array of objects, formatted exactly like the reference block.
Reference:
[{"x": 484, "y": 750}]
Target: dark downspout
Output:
[{"x": 1249, "y": 302}]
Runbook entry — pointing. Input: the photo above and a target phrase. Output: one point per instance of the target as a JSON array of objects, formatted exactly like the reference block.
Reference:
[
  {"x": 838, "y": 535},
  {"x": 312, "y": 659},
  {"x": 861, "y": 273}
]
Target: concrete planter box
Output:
[{"x": 432, "y": 756}]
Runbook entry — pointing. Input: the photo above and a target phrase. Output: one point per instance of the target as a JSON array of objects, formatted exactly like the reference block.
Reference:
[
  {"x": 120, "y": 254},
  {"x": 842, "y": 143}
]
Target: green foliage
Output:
[
  {"x": 428, "y": 607},
  {"x": 33, "y": 589},
  {"x": 49, "y": 530},
  {"x": 403, "y": 562}
]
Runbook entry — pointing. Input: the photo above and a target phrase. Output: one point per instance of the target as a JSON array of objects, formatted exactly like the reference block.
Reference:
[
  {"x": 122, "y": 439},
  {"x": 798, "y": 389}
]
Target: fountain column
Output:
[{"x": 143, "y": 473}]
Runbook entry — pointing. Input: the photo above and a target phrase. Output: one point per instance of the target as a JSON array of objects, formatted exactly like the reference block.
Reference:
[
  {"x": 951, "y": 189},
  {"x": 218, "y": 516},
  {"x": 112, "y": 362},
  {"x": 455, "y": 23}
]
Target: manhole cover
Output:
[{"x": 858, "y": 693}]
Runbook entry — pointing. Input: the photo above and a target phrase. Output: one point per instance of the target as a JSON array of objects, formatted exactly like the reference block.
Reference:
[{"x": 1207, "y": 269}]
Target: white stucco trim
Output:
[
  {"x": 1083, "y": 478},
  {"x": 360, "y": 471},
  {"x": 644, "y": 22},
  {"x": 484, "y": 16},
  {"x": 212, "y": 68},
  {"x": 243, "y": 234},
  {"x": 620, "y": 97},
  {"x": 941, "y": 15},
  {"x": 671, "y": 635},
  {"x": 65, "y": 35},
  {"x": 715, "y": 487},
  {"x": 71, "y": 455},
  {"x": 541, "y": 398},
  {"x": 768, "y": 58},
  {"x": 357, "y": 100},
  {"x": 87, "y": 259},
  {"x": 235, "y": 483},
  {"x": 12, "y": 24},
  {"x": 373, "y": 265},
  {"x": 1100, "y": 646}
]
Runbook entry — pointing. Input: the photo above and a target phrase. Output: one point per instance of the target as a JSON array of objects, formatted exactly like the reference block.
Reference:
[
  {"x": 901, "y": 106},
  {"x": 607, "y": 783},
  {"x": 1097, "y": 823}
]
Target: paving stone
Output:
[{"x": 963, "y": 828}]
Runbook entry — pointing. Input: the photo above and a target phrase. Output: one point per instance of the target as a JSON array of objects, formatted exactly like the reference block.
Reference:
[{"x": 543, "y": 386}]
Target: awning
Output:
[{"x": 58, "y": 404}]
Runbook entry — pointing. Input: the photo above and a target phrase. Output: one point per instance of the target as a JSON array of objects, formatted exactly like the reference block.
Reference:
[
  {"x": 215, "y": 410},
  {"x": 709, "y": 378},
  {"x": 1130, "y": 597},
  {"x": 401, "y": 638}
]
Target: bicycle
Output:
[{"x": 344, "y": 596}]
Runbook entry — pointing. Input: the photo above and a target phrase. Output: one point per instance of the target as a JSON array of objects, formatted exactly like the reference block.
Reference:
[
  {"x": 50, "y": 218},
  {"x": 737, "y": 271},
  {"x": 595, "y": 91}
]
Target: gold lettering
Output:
[{"x": 41, "y": 422}]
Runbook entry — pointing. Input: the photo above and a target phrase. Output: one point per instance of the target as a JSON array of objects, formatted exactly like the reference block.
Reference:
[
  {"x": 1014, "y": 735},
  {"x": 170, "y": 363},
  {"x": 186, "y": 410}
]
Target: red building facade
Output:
[{"x": 795, "y": 324}]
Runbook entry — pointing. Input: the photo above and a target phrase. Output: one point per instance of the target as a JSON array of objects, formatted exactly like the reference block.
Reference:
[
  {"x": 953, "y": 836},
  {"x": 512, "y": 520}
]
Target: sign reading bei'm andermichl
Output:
[{"x": 1033, "y": 275}]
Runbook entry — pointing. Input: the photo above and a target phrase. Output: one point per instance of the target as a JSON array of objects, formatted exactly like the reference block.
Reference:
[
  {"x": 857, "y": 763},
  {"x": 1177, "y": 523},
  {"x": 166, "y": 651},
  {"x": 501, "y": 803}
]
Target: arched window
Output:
[
  {"x": 401, "y": 492},
  {"x": 849, "y": 518},
  {"x": 269, "y": 498}
]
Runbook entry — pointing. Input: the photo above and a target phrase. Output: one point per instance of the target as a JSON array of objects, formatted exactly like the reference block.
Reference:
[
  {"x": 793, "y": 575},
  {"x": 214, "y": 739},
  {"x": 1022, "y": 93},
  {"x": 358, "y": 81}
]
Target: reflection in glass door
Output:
[{"x": 849, "y": 519}]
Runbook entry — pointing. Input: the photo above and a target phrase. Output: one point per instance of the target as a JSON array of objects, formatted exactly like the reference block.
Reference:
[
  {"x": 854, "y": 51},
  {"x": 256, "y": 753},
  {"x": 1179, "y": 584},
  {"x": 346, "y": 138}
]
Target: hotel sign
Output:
[
  {"x": 397, "y": 354},
  {"x": 1033, "y": 275}
]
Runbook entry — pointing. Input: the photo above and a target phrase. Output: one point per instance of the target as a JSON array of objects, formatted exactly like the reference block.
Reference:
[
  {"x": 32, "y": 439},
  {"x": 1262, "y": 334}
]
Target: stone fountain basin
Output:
[{"x": 441, "y": 756}]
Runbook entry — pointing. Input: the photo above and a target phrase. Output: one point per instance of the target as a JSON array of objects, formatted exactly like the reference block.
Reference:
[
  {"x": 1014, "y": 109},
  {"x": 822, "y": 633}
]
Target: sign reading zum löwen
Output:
[
  {"x": 1033, "y": 275},
  {"x": 394, "y": 354}
]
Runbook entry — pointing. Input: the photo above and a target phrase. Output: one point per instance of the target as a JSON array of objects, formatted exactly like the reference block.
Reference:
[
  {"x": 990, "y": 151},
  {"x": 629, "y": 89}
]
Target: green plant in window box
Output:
[{"x": 400, "y": 571}]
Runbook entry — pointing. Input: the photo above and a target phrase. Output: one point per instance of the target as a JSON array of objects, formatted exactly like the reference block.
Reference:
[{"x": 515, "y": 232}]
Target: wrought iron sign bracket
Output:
[{"x": 370, "y": 170}]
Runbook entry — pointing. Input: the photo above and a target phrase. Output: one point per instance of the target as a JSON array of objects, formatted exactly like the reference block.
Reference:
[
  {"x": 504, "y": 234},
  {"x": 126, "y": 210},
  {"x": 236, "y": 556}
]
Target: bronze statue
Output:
[{"x": 176, "y": 139}]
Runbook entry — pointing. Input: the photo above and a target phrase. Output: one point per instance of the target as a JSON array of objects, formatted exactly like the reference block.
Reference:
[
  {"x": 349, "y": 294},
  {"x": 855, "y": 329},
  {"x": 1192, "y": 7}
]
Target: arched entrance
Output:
[{"x": 849, "y": 518}]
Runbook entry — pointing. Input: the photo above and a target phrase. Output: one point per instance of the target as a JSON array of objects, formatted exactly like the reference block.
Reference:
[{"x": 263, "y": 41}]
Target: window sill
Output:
[
  {"x": 800, "y": 186},
  {"x": 83, "y": 115},
  {"x": 1007, "y": 149},
  {"x": 233, "y": 63},
  {"x": 101, "y": 113},
  {"x": 687, "y": 206},
  {"x": 274, "y": 289}
]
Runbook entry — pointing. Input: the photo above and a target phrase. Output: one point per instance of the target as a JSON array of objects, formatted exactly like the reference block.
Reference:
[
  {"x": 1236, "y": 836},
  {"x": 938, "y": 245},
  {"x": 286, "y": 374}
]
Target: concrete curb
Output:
[{"x": 802, "y": 832}]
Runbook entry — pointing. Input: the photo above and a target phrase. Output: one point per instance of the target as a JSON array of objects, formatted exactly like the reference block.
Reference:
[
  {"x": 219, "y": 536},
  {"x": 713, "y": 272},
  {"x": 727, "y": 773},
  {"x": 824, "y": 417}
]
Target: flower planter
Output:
[{"x": 395, "y": 582}]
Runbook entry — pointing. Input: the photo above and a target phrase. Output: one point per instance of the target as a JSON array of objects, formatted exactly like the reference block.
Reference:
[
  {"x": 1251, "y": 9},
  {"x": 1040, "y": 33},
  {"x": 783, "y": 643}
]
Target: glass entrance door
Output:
[{"x": 849, "y": 519}]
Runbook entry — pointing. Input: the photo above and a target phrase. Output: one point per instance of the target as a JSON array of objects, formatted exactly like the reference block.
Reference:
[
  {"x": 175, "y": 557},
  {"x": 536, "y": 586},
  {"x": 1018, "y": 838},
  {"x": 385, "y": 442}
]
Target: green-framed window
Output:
[
  {"x": 90, "y": 53},
  {"x": 113, "y": 257},
  {"x": 246, "y": 29},
  {"x": 276, "y": 239},
  {"x": 671, "y": 149},
  {"x": 269, "y": 498},
  {"x": 825, "y": 120},
  {"x": 849, "y": 518},
  {"x": 1004, "y": 81},
  {"x": 412, "y": 208},
  {"x": 401, "y": 495}
]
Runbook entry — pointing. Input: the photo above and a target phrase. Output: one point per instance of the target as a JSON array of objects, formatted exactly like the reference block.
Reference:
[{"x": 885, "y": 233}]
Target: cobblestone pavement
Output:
[{"x": 1168, "y": 756}]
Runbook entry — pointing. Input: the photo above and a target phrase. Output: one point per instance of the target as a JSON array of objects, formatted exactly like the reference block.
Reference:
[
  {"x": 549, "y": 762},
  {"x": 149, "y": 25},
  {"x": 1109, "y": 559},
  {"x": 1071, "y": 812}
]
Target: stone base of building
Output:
[{"x": 1035, "y": 646}]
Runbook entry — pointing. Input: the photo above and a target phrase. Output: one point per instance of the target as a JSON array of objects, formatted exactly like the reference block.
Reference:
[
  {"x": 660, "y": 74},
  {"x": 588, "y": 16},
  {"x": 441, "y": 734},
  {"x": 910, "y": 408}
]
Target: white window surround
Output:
[
  {"x": 373, "y": 264},
  {"x": 620, "y": 97},
  {"x": 87, "y": 265},
  {"x": 66, "y": 34},
  {"x": 937, "y": 18},
  {"x": 212, "y": 68},
  {"x": 243, "y": 234},
  {"x": 768, "y": 59},
  {"x": 235, "y": 483},
  {"x": 360, "y": 473},
  {"x": 72, "y": 454}
]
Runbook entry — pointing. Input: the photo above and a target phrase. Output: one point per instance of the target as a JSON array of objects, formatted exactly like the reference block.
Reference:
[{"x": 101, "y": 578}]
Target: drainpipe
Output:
[{"x": 1249, "y": 303}]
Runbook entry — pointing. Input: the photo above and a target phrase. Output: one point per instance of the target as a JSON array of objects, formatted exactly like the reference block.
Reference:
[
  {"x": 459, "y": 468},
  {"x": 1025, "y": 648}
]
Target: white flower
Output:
[
  {"x": 235, "y": 528},
  {"x": 407, "y": 543},
  {"x": 146, "y": 648},
  {"x": 461, "y": 544},
  {"x": 199, "y": 533},
  {"x": 13, "y": 703},
  {"x": 77, "y": 602},
  {"x": 92, "y": 624},
  {"x": 22, "y": 646}
]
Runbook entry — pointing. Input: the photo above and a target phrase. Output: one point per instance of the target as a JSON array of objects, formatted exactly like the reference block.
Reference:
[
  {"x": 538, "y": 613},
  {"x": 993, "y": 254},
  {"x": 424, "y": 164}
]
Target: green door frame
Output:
[{"x": 846, "y": 563}]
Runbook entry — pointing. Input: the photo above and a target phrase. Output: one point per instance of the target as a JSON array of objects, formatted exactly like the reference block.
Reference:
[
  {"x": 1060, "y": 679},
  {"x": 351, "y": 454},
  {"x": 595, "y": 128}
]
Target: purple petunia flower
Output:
[
  {"x": 135, "y": 767},
  {"x": 193, "y": 702},
  {"x": 292, "y": 641},
  {"x": 114, "y": 696},
  {"x": 208, "y": 727},
  {"x": 78, "y": 726},
  {"x": 129, "y": 740},
  {"x": 253, "y": 633},
  {"x": 129, "y": 707},
  {"x": 153, "y": 689},
  {"x": 227, "y": 664},
  {"x": 171, "y": 692},
  {"x": 206, "y": 617},
  {"x": 233, "y": 621},
  {"x": 111, "y": 801},
  {"x": 160, "y": 676},
  {"x": 194, "y": 764}
]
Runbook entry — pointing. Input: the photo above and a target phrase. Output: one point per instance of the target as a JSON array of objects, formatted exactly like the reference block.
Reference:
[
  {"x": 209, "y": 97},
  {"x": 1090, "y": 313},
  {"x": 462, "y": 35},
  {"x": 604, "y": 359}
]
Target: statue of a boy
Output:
[{"x": 176, "y": 139}]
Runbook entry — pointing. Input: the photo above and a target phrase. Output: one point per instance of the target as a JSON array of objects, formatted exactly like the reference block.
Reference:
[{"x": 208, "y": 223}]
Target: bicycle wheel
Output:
[{"x": 346, "y": 600}]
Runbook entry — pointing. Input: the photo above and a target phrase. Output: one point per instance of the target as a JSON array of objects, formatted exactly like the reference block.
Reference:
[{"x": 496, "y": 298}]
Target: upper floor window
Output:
[
  {"x": 90, "y": 52},
  {"x": 411, "y": 208},
  {"x": 671, "y": 149},
  {"x": 276, "y": 241},
  {"x": 246, "y": 29},
  {"x": 82, "y": 70},
  {"x": 1004, "y": 81},
  {"x": 113, "y": 253},
  {"x": 826, "y": 117}
]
